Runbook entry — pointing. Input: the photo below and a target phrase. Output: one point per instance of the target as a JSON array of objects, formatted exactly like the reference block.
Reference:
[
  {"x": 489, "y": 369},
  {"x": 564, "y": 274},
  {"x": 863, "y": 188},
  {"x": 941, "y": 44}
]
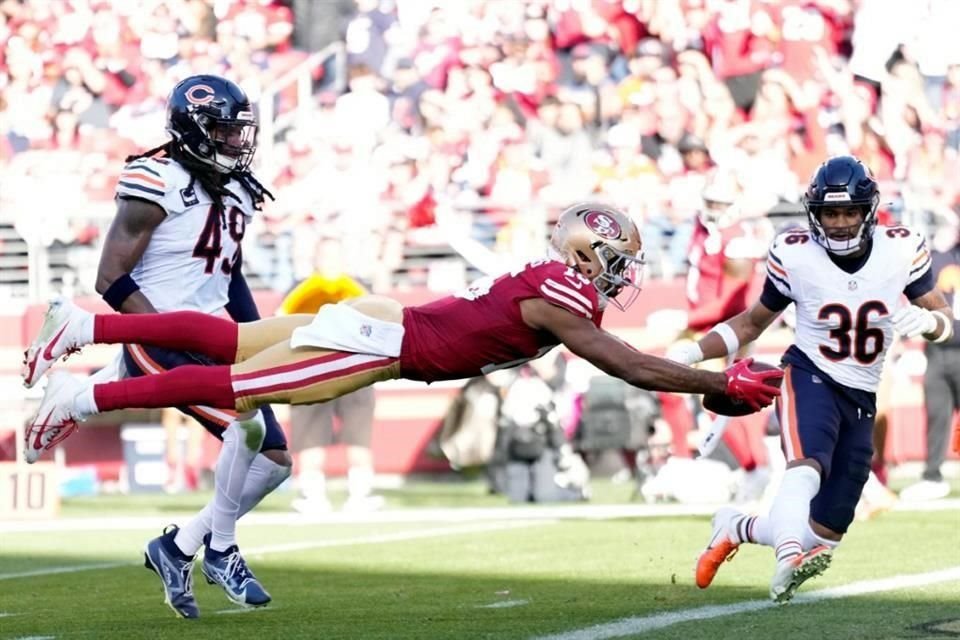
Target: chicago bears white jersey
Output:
[
  {"x": 188, "y": 262},
  {"x": 843, "y": 319}
]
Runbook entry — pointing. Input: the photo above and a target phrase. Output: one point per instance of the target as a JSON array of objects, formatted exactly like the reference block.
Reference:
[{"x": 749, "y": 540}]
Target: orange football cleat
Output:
[{"x": 720, "y": 549}]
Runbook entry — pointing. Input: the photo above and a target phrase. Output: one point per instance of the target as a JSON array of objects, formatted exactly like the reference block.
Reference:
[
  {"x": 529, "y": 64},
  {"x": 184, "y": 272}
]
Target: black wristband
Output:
[{"x": 120, "y": 290}]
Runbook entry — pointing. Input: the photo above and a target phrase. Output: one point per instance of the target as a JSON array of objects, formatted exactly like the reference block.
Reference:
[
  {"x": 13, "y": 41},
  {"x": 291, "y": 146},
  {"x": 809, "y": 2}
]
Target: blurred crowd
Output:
[
  {"x": 83, "y": 83},
  {"x": 479, "y": 119}
]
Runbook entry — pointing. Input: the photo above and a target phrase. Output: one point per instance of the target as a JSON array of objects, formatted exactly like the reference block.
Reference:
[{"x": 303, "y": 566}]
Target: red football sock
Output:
[
  {"x": 737, "y": 440},
  {"x": 192, "y": 384},
  {"x": 179, "y": 330}
]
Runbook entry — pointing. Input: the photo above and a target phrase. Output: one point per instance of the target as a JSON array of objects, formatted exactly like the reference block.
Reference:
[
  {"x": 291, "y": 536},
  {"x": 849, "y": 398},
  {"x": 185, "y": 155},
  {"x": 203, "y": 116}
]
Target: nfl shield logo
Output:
[{"x": 366, "y": 330}]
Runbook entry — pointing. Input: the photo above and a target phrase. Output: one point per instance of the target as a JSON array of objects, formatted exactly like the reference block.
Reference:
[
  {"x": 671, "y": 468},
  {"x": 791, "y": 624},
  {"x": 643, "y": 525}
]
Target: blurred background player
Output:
[
  {"x": 724, "y": 251},
  {"x": 312, "y": 426},
  {"x": 175, "y": 244},
  {"x": 941, "y": 386},
  {"x": 846, "y": 276}
]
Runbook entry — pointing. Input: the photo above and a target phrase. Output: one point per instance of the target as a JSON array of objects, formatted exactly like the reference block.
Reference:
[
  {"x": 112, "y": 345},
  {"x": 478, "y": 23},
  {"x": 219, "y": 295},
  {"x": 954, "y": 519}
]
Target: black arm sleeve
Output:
[
  {"x": 921, "y": 286},
  {"x": 771, "y": 297}
]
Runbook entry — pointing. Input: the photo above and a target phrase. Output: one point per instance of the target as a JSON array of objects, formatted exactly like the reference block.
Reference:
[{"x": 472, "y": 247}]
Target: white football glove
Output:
[
  {"x": 685, "y": 352},
  {"x": 910, "y": 321}
]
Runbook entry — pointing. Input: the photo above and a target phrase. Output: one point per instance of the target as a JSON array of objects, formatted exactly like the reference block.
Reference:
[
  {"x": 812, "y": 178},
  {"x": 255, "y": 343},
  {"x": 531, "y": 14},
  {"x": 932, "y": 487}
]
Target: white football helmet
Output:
[{"x": 604, "y": 245}]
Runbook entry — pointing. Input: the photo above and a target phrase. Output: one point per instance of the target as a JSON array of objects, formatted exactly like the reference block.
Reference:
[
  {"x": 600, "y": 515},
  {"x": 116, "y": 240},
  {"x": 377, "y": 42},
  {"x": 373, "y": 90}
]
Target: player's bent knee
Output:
[
  {"x": 281, "y": 457},
  {"x": 253, "y": 429},
  {"x": 379, "y": 307}
]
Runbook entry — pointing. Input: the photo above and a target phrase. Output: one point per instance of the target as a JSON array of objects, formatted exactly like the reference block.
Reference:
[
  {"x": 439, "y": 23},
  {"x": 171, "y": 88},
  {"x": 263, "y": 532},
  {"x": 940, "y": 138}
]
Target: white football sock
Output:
[
  {"x": 85, "y": 330},
  {"x": 83, "y": 402},
  {"x": 264, "y": 476},
  {"x": 790, "y": 512},
  {"x": 755, "y": 529},
  {"x": 313, "y": 484},
  {"x": 241, "y": 444},
  {"x": 360, "y": 482},
  {"x": 811, "y": 540}
]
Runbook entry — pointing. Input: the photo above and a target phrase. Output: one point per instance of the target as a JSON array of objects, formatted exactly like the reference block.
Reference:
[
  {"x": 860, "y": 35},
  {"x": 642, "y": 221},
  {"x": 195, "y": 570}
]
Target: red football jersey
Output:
[{"x": 481, "y": 329}]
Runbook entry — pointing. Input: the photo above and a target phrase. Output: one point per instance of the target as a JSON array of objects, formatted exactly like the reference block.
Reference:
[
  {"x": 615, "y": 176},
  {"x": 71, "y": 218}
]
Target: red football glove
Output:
[{"x": 749, "y": 386}]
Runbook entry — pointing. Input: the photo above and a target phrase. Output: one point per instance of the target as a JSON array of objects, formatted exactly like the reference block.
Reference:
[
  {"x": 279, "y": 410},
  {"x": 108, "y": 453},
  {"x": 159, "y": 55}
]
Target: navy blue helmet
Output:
[
  {"x": 843, "y": 181},
  {"x": 212, "y": 121}
]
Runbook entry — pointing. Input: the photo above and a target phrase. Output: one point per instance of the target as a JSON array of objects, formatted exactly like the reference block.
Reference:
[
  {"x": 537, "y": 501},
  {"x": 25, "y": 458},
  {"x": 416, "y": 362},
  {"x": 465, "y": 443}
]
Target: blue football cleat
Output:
[
  {"x": 175, "y": 573},
  {"x": 230, "y": 571}
]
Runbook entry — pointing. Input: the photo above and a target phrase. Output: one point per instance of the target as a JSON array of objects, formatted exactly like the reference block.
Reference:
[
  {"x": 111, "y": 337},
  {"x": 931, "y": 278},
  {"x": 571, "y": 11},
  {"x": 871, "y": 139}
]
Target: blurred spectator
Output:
[{"x": 487, "y": 107}]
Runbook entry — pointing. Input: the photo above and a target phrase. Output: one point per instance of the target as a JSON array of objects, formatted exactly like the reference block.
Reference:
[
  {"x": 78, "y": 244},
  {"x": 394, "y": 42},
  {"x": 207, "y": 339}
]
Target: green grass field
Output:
[{"x": 505, "y": 578}]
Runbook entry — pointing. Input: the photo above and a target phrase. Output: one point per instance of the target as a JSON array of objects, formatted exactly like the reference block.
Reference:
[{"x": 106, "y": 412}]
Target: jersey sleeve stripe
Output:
[
  {"x": 779, "y": 279},
  {"x": 922, "y": 245},
  {"x": 140, "y": 165},
  {"x": 774, "y": 257},
  {"x": 569, "y": 291},
  {"x": 778, "y": 270},
  {"x": 921, "y": 268},
  {"x": 923, "y": 256},
  {"x": 136, "y": 187},
  {"x": 568, "y": 303},
  {"x": 127, "y": 175}
]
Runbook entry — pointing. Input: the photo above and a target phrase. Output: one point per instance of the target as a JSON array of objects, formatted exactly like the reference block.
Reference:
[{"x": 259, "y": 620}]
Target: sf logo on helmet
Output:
[
  {"x": 602, "y": 224},
  {"x": 199, "y": 94}
]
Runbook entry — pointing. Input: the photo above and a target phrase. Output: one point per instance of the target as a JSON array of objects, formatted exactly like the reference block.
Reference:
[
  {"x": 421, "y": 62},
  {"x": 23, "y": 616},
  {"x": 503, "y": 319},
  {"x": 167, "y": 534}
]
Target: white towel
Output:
[{"x": 341, "y": 327}]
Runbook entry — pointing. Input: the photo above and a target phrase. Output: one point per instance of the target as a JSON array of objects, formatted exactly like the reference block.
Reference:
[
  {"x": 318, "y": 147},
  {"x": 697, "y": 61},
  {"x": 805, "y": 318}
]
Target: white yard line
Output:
[
  {"x": 402, "y": 536},
  {"x": 418, "y": 515},
  {"x": 503, "y": 604},
  {"x": 227, "y": 612},
  {"x": 393, "y": 537},
  {"x": 51, "y": 571},
  {"x": 642, "y": 624}
]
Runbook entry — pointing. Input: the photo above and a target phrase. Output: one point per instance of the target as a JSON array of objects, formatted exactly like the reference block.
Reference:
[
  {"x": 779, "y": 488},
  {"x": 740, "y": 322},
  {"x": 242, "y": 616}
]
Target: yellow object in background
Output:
[{"x": 318, "y": 290}]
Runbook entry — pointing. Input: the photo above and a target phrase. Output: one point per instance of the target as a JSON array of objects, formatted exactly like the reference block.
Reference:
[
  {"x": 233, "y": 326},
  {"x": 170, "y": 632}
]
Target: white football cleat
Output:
[
  {"x": 315, "y": 506},
  {"x": 60, "y": 335},
  {"x": 792, "y": 573},
  {"x": 720, "y": 549},
  {"x": 925, "y": 491},
  {"x": 57, "y": 418}
]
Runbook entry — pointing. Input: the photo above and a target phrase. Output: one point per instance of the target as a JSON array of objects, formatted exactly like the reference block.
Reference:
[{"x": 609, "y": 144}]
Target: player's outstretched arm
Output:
[
  {"x": 127, "y": 239},
  {"x": 616, "y": 357},
  {"x": 928, "y": 316}
]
